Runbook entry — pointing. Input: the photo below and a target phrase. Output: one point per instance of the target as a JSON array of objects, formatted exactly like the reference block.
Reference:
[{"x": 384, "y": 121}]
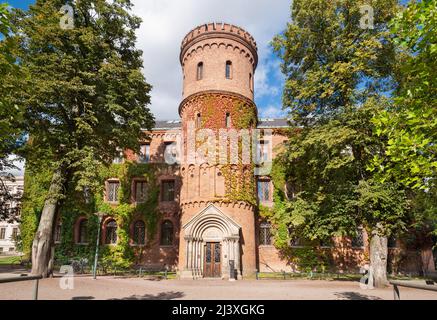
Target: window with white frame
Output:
[{"x": 112, "y": 191}]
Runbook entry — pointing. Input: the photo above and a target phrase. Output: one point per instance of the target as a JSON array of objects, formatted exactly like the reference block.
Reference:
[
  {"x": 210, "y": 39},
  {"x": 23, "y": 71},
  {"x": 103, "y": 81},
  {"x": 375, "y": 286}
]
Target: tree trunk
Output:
[
  {"x": 427, "y": 260},
  {"x": 378, "y": 261},
  {"x": 43, "y": 240}
]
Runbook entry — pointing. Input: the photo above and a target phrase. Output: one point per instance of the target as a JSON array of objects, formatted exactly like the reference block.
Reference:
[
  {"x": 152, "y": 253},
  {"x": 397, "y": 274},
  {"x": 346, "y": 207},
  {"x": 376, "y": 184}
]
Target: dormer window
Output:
[
  {"x": 200, "y": 71},
  {"x": 228, "y": 70}
]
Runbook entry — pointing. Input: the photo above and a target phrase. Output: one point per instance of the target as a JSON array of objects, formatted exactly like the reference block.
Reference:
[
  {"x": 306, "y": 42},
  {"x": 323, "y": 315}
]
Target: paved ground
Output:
[{"x": 134, "y": 288}]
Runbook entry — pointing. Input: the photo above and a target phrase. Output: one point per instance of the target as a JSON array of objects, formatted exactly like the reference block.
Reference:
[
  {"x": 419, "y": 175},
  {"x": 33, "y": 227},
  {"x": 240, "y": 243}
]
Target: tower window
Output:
[
  {"x": 199, "y": 70},
  {"x": 250, "y": 82},
  {"x": 228, "y": 120},
  {"x": 198, "y": 121},
  {"x": 228, "y": 69}
]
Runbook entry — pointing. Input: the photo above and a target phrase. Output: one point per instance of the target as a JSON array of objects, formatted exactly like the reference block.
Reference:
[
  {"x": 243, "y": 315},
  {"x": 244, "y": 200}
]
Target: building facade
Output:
[
  {"x": 9, "y": 231},
  {"x": 207, "y": 190}
]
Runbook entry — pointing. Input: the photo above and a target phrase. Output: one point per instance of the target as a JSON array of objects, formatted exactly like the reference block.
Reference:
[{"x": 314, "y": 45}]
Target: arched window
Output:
[
  {"x": 228, "y": 70},
  {"x": 198, "y": 120},
  {"x": 228, "y": 120},
  {"x": 199, "y": 70},
  {"x": 265, "y": 235},
  {"x": 139, "y": 236},
  {"x": 83, "y": 231},
  {"x": 111, "y": 232},
  {"x": 167, "y": 233},
  {"x": 358, "y": 240}
]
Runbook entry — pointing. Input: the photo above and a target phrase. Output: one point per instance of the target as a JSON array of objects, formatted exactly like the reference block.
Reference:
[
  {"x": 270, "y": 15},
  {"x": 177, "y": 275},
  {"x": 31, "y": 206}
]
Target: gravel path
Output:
[{"x": 134, "y": 288}]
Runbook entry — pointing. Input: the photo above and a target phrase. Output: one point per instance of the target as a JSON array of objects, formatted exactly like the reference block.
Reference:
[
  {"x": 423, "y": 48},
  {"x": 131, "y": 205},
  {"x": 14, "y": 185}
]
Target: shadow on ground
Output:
[
  {"x": 160, "y": 296},
  {"x": 354, "y": 296}
]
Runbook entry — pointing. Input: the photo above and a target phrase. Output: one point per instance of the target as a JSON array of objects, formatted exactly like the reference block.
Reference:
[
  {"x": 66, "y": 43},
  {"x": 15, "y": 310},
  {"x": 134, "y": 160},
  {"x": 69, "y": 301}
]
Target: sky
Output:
[{"x": 166, "y": 22}]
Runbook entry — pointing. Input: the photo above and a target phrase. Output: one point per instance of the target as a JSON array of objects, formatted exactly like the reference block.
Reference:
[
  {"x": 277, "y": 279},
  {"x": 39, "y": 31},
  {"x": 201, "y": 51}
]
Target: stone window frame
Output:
[{"x": 107, "y": 183}]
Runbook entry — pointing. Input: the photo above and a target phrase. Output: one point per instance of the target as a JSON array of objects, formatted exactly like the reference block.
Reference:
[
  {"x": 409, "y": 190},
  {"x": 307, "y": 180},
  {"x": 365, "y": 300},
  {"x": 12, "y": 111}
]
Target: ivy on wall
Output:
[{"x": 74, "y": 206}]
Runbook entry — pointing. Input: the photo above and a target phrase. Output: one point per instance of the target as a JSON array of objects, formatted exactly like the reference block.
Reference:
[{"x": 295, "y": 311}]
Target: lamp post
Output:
[{"x": 100, "y": 217}]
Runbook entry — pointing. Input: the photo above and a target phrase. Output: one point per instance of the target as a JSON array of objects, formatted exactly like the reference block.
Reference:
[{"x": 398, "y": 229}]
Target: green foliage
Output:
[
  {"x": 411, "y": 124},
  {"x": 336, "y": 77},
  {"x": 120, "y": 255}
]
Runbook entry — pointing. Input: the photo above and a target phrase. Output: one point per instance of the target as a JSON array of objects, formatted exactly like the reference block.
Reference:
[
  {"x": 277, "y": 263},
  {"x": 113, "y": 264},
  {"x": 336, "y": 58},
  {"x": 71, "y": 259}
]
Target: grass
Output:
[{"x": 10, "y": 260}]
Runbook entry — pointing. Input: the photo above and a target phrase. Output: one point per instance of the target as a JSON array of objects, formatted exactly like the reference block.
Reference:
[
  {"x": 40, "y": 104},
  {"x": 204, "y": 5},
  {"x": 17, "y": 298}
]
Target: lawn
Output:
[{"x": 10, "y": 260}]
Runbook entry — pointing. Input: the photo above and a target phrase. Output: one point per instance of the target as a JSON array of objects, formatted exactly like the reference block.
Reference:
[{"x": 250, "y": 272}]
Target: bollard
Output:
[{"x": 35, "y": 289}]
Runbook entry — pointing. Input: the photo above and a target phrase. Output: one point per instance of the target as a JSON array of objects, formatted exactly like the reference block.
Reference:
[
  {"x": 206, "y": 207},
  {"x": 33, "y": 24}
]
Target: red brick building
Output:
[{"x": 209, "y": 208}]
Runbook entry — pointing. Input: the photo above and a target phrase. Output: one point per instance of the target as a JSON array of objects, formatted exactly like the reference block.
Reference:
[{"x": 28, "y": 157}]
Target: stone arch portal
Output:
[{"x": 211, "y": 225}]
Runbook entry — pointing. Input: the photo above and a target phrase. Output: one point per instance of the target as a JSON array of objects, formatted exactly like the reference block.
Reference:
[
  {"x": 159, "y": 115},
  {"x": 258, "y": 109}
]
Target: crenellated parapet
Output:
[{"x": 218, "y": 33}]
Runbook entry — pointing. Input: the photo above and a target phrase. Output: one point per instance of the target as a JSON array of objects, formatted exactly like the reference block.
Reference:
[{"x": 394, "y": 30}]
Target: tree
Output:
[
  {"x": 336, "y": 76},
  {"x": 85, "y": 97},
  {"x": 10, "y": 114},
  {"x": 411, "y": 124}
]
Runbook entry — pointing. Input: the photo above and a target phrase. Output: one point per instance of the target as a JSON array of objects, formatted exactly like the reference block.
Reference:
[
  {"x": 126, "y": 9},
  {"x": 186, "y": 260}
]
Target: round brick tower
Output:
[{"x": 217, "y": 197}]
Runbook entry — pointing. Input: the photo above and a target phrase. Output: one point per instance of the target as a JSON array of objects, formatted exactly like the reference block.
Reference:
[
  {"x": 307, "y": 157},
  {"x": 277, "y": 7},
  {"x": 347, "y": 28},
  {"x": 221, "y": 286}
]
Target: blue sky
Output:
[{"x": 163, "y": 29}]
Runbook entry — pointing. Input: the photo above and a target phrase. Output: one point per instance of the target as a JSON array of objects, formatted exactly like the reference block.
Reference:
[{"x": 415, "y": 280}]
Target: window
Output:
[
  {"x": 198, "y": 121},
  {"x": 228, "y": 71},
  {"x": 111, "y": 232},
  {"x": 228, "y": 120},
  {"x": 140, "y": 191},
  {"x": 250, "y": 82},
  {"x": 113, "y": 187},
  {"x": 1, "y": 249},
  {"x": 262, "y": 151},
  {"x": 358, "y": 240},
  {"x": 83, "y": 231},
  {"x": 265, "y": 235},
  {"x": 144, "y": 153},
  {"x": 58, "y": 232},
  {"x": 14, "y": 234},
  {"x": 11, "y": 249},
  {"x": 2, "y": 233},
  {"x": 199, "y": 70},
  {"x": 139, "y": 232},
  {"x": 263, "y": 190},
  {"x": 167, "y": 233},
  {"x": 168, "y": 191}
]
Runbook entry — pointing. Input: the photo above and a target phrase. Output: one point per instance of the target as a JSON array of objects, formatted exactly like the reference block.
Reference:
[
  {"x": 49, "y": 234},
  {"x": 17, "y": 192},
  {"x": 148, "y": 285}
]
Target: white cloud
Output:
[
  {"x": 272, "y": 111},
  {"x": 166, "y": 22}
]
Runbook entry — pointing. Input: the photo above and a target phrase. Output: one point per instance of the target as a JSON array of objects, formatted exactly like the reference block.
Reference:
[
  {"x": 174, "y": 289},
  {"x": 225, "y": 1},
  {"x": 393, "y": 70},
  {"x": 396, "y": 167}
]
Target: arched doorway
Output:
[{"x": 212, "y": 241}]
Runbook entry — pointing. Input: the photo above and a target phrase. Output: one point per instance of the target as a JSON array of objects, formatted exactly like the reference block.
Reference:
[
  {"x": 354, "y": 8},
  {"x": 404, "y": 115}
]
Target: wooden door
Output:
[{"x": 212, "y": 260}]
